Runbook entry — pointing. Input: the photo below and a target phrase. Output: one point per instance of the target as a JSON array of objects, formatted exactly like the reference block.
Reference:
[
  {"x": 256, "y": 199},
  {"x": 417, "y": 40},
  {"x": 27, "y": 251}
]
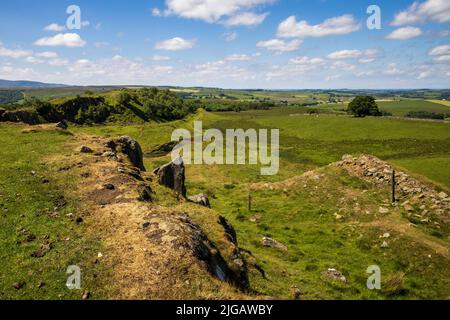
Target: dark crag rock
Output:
[
  {"x": 172, "y": 175},
  {"x": 181, "y": 234},
  {"x": 129, "y": 147}
]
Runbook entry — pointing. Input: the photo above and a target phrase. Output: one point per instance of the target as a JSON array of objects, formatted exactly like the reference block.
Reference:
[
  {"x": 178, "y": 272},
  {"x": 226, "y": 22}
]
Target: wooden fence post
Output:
[
  {"x": 393, "y": 186},
  {"x": 249, "y": 201}
]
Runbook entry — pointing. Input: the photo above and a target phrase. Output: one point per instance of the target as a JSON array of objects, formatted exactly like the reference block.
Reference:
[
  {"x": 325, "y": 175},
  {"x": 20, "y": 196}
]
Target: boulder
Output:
[
  {"x": 200, "y": 199},
  {"x": 129, "y": 147},
  {"x": 2, "y": 111},
  {"x": 85, "y": 149},
  {"x": 272, "y": 243},
  {"x": 335, "y": 275},
  {"x": 172, "y": 175},
  {"x": 62, "y": 125}
]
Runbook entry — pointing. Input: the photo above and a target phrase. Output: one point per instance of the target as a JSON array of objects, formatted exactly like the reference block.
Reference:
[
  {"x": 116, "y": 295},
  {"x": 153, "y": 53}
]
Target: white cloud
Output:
[
  {"x": 54, "y": 27},
  {"x": 307, "y": 61},
  {"x": 423, "y": 75},
  {"x": 239, "y": 57},
  {"x": 246, "y": 19},
  {"x": 34, "y": 60},
  {"x": 156, "y": 12},
  {"x": 58, "y": 62},
  {"x": 230, "y": 36},
  {"x": 160, "y": 58},
  {"x": 212, "y": 11},
  {"x": 47, "y": 55},
  {"x": 14, "y": 53},
  {"x": 434, "y": 10},
  {"x": 392, "y": 70},
  {"x": 404, "y": 33},
  {"x": 345, "y": 54},
  {"x": 290, "y": 28},
  {"x": 175, "y": 44},
  {"x": 343, "y": 66},
  {"x": 444, "y": 58},
  {"x": 280, "y": 46},
  {"x": 62, "y": 39},
  {"x": 440, "y": 50}
]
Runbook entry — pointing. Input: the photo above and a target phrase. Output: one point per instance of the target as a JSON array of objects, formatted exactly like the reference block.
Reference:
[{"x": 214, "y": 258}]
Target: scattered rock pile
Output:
[{"x": 413, "y": 194}]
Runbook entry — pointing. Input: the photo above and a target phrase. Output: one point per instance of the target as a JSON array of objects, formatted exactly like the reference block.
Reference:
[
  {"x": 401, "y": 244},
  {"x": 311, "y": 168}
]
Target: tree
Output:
[{"x": 363, "y": 106}]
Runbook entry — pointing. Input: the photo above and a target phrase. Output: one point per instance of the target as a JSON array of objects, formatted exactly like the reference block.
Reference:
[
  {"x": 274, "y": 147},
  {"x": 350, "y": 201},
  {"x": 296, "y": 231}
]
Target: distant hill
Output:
[{"x": 27, "y": 84}]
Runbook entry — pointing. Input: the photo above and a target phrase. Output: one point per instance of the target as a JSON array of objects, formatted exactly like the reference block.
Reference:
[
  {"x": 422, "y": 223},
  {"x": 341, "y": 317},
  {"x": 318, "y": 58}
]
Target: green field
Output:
[
  {"x": 301, "y": 215},
  {"x": 400, "y": 108}
]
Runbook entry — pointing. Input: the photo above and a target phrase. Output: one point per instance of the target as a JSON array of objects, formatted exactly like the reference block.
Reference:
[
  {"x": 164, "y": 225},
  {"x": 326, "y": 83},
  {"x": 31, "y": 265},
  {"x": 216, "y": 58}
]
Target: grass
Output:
[
  {"x": 301, "y": 215},
  {"x": 401, "y": 108},
  {"x": 26, "y": 224},
  {"x": 303, "y": 218}
]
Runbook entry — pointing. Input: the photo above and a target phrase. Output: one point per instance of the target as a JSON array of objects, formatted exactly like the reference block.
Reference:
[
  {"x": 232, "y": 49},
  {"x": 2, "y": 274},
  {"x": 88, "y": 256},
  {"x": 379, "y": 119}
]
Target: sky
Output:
[{"x": 267, "y": 44}]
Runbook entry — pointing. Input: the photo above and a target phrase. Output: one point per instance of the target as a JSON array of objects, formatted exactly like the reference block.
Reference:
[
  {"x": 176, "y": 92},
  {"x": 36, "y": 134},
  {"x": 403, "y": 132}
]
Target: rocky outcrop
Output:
[
  {"x": 2, "y": 111},
  {"x": 25, "y": 116},
  {"x": 172, "y": 175},
  {"x": 162, "y": 150},
  {"x": 62, "y": 125},
  {"x": 200, "y": 199},
  {"x": 129, "y": 147},
  {"x": 179, "y": 233}
]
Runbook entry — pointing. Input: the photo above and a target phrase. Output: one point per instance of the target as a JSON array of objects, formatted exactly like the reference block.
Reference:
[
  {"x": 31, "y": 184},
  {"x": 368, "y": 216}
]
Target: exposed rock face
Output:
[
  {"x": 62, "y": 125},
  {"x": 163, "y": 150},
  {"x": 24, "y": 116},
  {"x": 201, "y": 199},
  {"x": 129, "y": 147},
  {"x": 2, "y": 111},
  {"x": 180, "y": 233},
  {"x": 272, "y": 243},
  {"x": 172, "y": 175}
]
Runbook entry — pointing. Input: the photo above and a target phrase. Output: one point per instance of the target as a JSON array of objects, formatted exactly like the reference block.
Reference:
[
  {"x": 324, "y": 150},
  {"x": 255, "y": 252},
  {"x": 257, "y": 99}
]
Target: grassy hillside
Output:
[{"x": 301, "y": 213}]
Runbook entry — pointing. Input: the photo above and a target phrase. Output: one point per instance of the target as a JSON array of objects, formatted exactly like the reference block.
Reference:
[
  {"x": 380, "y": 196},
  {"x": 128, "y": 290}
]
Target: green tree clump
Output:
[{"x": 363, "y": 106}]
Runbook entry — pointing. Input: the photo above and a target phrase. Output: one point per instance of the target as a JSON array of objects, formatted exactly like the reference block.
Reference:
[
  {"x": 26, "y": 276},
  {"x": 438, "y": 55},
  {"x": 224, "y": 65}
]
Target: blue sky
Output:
[{"x": 231, "y": 44}]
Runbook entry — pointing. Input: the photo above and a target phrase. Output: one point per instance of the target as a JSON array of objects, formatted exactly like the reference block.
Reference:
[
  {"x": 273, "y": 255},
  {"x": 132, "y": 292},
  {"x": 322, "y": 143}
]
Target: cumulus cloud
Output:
[
  {"x": 47, "y": 55},
  {"x": 230, "y": 36},
  {"x": 239, "y": 57},
  {"x": 280, "y": 46},
  {"x": 345, "y": 54},
  {"x": 54, "y": 27},
  {"x": 213, "y": 11},
  {"x": 440, "y": 50},
  {"x": 13, "y": 53},
  {"x": 434, "y": 10},
  {"x": 307, "y": 61},
  {"x": 175, "y": 44},
  {"x": 62, "y": 39},
  {"x": 290, "y": 28},
  {"x": 160, "y": 58},
  {"x": 392, "y": 70},
  {"x": 404, "y": 33},
  {"x": 246, "y": 19},
  {"x": 443, "y": 58}
]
